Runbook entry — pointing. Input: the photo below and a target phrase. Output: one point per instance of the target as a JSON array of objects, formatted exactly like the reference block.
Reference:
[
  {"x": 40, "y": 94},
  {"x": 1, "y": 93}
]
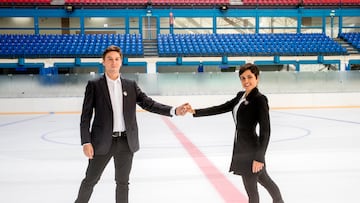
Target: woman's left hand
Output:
[{"x": 257, "y": 166}]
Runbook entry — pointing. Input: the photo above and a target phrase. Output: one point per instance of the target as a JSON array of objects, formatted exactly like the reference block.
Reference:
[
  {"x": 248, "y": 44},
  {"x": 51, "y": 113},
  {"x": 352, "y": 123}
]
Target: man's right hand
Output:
[{"x": 88, "y": 150}]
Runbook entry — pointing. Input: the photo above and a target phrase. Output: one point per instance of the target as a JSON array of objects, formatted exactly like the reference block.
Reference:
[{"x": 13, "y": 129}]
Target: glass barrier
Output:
[{"x": 207, "y": 83}]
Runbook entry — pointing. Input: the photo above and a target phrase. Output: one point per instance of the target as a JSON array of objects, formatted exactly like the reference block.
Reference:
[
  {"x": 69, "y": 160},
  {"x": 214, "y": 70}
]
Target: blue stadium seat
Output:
[
  {"x": 249, "y": 44},
  {"x": 56, "y": 45}
]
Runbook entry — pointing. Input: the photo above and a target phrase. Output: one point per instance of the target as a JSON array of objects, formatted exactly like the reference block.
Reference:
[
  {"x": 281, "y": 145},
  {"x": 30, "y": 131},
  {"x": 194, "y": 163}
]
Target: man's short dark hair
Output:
[{"x": 112, "y": 48}]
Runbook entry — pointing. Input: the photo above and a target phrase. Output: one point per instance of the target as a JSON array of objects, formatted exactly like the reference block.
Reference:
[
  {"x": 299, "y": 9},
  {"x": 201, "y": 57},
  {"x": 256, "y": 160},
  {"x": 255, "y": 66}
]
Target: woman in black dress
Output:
[{"x": 249, "y": 109}]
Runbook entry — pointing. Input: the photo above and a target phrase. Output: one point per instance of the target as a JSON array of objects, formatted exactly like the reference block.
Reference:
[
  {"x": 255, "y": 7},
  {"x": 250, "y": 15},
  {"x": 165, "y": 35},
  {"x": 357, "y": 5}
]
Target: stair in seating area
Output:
[
  {"x": 150, "y": 48},
  {"x": 350, "y": 49},
  {"x": 236, "y": 2}
]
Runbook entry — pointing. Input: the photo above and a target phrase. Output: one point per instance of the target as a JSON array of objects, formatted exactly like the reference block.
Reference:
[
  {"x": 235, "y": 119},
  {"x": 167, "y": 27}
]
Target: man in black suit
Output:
[{"x": 110, "y": 104}]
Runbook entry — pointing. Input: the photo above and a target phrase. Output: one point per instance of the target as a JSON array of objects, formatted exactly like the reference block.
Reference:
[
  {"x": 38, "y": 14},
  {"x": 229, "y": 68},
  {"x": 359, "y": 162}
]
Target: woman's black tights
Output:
[{"x": 250, "y": 183}]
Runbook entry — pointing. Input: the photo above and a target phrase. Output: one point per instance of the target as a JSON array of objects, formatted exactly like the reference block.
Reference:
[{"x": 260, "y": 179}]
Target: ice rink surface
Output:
[{"x": 313, "y": 156}]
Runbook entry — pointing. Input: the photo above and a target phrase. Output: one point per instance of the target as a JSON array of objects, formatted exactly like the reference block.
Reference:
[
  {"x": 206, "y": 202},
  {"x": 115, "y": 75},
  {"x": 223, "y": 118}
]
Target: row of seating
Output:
[
  {"x": 92, "y": 45},
  {"x": 353, "y": 38},
  {"x": 56, "y": 45},
  {"x": 187, "y": 2},
  {"x": 113, "y": 2},
  {"x": 271, "y": 2},
  {"x": 121, "y": 2},
  {"x": 45, "y": 2},
  {"x": 190, "y": 2},
  {"x": 153, "y": 2},
  {"x": 247, "y": 45},
  {"x": 331, "y": 2},
  {"x": 301, "y": 2}
]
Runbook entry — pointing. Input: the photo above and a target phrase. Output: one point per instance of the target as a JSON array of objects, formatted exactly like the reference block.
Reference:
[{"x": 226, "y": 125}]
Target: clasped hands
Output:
[{"x": 183, "y": 109}]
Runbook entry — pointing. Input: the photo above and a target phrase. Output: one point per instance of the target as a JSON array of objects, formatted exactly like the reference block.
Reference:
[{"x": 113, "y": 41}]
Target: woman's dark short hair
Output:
[
  {"x": 111, "y": 48},
  {"x": 249, "y": 66}
]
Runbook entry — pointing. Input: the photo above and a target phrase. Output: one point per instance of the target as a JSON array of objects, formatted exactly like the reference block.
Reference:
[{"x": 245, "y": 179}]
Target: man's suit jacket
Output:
[{"x": 96, "y": 125}]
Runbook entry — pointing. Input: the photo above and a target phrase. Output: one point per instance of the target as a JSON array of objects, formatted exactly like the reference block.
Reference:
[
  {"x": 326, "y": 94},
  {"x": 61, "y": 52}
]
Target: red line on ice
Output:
[{"x": 225, "y": 188}]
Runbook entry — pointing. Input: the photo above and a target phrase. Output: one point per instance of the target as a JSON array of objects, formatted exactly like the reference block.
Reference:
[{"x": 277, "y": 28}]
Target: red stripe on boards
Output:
[{"x": 224, "y": 187}]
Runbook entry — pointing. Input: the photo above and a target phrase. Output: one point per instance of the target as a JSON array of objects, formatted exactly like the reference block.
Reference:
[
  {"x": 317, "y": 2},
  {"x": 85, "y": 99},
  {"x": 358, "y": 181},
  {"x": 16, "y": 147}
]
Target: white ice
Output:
[{"x": 313, "y": 156}]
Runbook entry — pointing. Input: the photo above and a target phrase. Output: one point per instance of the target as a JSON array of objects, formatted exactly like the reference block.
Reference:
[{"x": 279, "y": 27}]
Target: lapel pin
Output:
[
  {"x": 246, "y": 102},
  {"x": 125, "y": 93}
]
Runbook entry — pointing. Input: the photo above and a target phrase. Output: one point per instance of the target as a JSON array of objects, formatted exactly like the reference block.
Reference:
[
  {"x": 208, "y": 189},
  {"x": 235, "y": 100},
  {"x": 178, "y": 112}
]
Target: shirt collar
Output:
[{"x": 110, "y": 80}]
